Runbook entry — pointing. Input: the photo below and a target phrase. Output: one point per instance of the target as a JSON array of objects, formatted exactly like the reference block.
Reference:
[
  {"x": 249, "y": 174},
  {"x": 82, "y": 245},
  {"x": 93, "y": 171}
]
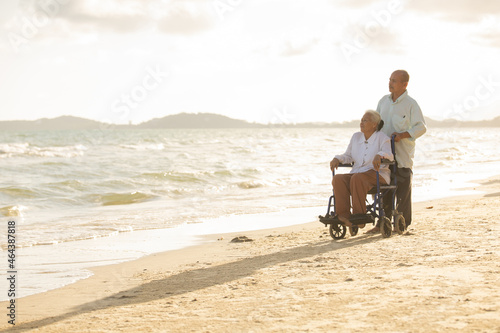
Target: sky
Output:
[{"x": 266, "y": 61}]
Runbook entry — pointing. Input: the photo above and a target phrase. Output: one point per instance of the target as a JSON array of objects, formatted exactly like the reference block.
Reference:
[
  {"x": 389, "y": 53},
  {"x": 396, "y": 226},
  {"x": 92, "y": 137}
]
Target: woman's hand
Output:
[
  {"x": 377, "y": 160},
  {"x": 334, "y": 164}
]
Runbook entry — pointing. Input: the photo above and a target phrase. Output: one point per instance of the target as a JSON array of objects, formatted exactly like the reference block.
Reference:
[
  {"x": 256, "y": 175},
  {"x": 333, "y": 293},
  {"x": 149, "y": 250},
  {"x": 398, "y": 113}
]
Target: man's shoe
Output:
[{"x": 374, "y": 230}]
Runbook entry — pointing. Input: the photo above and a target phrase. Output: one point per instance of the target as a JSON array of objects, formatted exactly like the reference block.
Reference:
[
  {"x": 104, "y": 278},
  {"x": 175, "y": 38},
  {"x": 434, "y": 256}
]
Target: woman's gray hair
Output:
[{"x": 376, "y": 118}]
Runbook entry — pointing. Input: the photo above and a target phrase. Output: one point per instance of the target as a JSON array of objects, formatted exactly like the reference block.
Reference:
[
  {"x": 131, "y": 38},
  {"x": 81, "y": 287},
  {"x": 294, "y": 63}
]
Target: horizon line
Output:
[{"x": 217, "y": 114}]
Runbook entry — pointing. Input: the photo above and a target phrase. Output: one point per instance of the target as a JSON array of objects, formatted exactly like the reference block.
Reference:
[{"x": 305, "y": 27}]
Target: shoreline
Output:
[
  {"x": 66, "y": 263},
  {"x": 69, "y": 264},
  {"x": 179, "y": 280}
]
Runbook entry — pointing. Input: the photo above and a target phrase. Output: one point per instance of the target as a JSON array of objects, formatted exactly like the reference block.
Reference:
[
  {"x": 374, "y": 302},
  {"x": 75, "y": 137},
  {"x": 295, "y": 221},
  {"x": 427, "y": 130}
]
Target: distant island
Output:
[{"x": 202, "y": 120}]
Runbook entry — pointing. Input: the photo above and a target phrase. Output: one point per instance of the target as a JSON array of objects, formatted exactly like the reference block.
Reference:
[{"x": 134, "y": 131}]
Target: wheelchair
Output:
[{"x": 374, "y": 210}]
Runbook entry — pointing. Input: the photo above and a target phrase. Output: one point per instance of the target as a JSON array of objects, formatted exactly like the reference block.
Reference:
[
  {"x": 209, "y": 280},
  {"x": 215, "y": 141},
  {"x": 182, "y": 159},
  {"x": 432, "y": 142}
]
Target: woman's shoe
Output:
[{"x": 345, "y": 221}]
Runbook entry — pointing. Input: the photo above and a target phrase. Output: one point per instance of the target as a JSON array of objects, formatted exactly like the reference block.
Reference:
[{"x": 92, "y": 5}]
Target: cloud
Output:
[
  {"x": 170, "y": 17},
  {"x": 291, "y": 49},
  {"x": 293, "y": 42},
  {"x": 465, "y": 11},
  {"x": 356, "y": 3},
  {"x": 387, "y": 42},
  {"x": 298, "y": 42},
  {"x": 117, "y": 16},
  {"x": 491, "y": 39},
  {"x": 185, "y": 18},
  {"x": 481, "y": 16},
  {"x": 487, "y": 32},
  {"x": 371, "y": 36},
  {"x": 83, "y": 15}
]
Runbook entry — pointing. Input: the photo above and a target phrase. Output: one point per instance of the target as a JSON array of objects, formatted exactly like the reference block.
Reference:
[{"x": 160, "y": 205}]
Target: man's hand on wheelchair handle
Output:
[{"x": 399, "y": 136}]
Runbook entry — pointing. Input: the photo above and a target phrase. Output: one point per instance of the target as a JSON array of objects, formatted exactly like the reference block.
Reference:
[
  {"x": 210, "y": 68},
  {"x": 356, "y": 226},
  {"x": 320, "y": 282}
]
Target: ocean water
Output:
[{"x": 74, "y": 191}]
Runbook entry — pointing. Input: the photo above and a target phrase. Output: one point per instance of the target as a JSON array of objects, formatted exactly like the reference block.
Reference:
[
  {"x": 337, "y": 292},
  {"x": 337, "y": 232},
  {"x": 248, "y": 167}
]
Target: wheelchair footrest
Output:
[
  {"x": 361, "y": 219},
  {"x": 329, "y": 219},
  {"x": 355, "y": 219}
]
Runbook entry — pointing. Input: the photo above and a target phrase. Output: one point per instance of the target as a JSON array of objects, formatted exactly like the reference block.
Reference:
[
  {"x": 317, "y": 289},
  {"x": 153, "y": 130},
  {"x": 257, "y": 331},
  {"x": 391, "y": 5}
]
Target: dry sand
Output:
[{"x": 442, "y": 276}]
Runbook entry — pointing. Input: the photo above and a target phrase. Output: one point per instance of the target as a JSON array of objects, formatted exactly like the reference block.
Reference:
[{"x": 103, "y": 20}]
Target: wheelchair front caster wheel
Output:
[
  {"x": 399, "y": 224},
  {"x": 385, "y": 227},
  {"x": 338, "y": 231}
]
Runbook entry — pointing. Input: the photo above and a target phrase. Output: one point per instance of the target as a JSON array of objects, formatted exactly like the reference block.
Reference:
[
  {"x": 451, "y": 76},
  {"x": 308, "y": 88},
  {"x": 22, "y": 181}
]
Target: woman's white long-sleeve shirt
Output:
[{"x": 361, "y": 152}]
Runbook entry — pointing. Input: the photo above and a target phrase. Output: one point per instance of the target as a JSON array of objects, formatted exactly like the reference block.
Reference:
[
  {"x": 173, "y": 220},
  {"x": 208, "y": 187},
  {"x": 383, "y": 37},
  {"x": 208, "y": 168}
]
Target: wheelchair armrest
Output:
[
  {"x": 387, "y": 162},
  {"x": 343, "y": 165}
]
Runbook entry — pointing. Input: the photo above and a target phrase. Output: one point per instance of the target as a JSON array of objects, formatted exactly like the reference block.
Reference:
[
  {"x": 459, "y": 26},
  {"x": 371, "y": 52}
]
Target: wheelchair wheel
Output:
[
  {"x": 399, "y": 224},
  {"x": 339, "y": 233},
  {"x": 385, "y": 227},
  {"x": 354, "y": 230}
]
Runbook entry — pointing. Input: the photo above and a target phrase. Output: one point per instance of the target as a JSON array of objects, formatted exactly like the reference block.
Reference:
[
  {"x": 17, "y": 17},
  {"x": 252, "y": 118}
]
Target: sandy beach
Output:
[{"x": 443, "y": 275}]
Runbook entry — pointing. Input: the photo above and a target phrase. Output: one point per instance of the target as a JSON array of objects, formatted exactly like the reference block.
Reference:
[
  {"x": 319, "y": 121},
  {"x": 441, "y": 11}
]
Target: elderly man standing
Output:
[{"x": 403, "y": 119}]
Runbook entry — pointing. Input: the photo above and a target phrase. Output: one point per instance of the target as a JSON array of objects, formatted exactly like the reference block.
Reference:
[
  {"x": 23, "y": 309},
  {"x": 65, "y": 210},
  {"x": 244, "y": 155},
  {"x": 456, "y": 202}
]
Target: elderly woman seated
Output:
[{"x": 366, "y": 150}]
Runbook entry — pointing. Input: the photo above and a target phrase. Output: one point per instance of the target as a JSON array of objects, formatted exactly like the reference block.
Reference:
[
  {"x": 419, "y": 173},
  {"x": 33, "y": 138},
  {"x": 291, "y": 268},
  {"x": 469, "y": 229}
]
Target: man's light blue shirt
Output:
[{"x": 402, "y": 115}]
